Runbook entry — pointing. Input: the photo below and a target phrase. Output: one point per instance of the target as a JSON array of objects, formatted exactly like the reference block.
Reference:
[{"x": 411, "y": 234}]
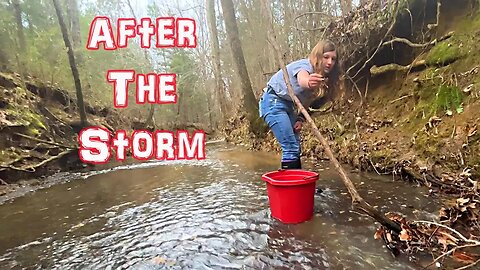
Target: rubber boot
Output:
[{"x": 289, "y": 165}]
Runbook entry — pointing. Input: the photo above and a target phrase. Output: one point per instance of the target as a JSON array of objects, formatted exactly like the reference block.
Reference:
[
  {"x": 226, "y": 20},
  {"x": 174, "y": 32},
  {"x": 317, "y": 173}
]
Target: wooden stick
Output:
[
  {"x": 357, "y": 200},
  {"x": 400, "y": 98}
]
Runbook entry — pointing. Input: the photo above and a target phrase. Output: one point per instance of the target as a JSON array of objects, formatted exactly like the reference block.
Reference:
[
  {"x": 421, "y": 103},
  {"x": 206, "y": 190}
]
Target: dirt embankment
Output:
[{"x": 38, "y": 128}]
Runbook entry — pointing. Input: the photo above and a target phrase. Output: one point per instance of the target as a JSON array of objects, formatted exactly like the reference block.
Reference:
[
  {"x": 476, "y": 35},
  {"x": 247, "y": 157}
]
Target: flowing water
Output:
[{"x": 209, "y": 214}]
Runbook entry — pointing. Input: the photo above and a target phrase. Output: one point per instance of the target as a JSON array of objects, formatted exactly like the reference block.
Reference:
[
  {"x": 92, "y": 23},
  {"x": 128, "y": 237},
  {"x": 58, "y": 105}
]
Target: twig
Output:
[
  {"x": 409, "y": 43},
  {"x": 3, "y": 182},
  {"x": 468, "y": 266},
  {"x": 52, "y": 158},
  {"x": 54, "y": 116},
  {"x": 471, "y": 71},
  {"x": 418, "y": 45},
  {"x": 31, "y": 169},
  {"x": 312, "y": 13},
  {"x": 371, "y": 163},
  {"x": 358, "y": 89},
  {"x": 3, "y": 167},
  {"x": 43, "y": 141},
  {"x": 477, "y": 243},
  {"x": 400, "y": 98},
  {"x": 450, "y": 252},
  {"x": 366, "y": 88},
  {"x": 430, "y": 26}
]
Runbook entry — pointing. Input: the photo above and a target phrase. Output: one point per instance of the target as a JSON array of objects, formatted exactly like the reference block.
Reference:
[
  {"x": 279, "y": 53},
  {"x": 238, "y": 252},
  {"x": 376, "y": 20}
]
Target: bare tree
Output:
[
  {"x": 150, "y": 121},
  {"x": 249, "y": 101},
  {"x": 73, "y": 65},
  {"x": 18, "y": 18},
  {"x": 74, "y": 22},
  {"x": 346, "y": 6},
  {"x": 217, "y": 73}
]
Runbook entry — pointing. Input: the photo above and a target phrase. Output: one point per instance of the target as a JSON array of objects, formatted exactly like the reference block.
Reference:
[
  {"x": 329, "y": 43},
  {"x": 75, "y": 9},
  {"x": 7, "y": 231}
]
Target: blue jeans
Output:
[{"x": 280, "y": 116}]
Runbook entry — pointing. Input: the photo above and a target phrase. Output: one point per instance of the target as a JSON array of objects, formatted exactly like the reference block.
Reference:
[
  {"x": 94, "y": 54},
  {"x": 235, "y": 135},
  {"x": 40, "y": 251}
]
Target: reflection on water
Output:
[{"x": 210, "y": 214}]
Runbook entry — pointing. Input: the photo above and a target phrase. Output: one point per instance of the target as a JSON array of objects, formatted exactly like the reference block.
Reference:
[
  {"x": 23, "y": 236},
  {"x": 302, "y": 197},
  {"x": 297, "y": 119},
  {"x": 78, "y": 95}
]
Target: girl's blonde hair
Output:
[{"x": 316, "y": 56}]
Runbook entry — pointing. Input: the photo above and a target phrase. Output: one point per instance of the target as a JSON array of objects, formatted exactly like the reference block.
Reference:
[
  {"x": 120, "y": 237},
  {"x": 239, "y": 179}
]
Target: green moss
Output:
[
  {"x": 444, "y": 53},
  {"x": 27, "y": 118},
  {"x": 381, "y": 154},
  {"x": 427, "y": 144},
  {"x": 35, "y": 120}
]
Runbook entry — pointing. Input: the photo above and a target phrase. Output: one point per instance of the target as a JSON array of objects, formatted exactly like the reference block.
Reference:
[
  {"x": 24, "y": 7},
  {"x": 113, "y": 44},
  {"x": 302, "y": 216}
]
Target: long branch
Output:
[{"x": 357, "y": 200}]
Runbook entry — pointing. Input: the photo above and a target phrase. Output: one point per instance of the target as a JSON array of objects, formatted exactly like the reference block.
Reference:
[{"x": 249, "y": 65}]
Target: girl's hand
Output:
[
  {"x": 314, "y": 80},
  {"x": 298, "y": 126}
]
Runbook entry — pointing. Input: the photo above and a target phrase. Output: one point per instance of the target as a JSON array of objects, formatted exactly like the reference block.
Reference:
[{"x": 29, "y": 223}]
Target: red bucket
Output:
[{"x": 291, "y": 194}]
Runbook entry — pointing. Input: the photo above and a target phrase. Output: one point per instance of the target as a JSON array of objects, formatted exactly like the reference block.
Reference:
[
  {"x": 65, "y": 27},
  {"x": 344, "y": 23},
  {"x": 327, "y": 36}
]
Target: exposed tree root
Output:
[{"x": 44, "y": 141}]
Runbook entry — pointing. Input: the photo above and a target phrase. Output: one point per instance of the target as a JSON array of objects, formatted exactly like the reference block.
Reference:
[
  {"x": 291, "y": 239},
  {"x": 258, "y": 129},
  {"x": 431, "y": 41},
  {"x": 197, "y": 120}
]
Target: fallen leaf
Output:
[
  {"x": 464, "y": 257},
  {"x": 159, "y": 260},
  {"x": 404, "y": 236},
  {"x": 378, "y": 234}
]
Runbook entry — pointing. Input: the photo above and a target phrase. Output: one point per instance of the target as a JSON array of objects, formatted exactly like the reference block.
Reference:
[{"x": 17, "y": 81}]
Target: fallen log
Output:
[{"x": 357, "y": 200}]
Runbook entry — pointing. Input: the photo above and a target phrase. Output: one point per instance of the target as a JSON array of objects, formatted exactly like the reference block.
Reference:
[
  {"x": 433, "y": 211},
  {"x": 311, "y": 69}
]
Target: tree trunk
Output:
[
  {"x": 249, "y": 102},
  {"x": 74, "y": 19},
  {"x": 217, "y": 73},
  {"x": 18, "y": 18},
  {"x": 150, "y": 121},
  {"x": 346, "y": 6},
  {"x": 73, "y": 65}
]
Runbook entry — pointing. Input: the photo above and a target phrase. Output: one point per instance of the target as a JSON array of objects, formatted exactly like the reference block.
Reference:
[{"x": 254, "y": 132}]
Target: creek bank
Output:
[{"x": 38, "y": 130}]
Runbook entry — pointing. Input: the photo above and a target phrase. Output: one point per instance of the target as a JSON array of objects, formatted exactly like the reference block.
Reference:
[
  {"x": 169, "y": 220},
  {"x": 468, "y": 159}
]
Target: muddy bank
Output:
[{"x": 38, "y": 130}]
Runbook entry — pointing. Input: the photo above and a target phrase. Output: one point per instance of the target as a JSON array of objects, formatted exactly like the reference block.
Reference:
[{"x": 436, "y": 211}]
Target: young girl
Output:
[{"x": 313, "y": 80}]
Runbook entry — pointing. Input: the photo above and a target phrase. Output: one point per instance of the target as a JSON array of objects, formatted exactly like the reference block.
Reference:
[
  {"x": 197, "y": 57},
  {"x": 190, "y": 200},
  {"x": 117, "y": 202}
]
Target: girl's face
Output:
[{"x": 329, "y": 60}]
